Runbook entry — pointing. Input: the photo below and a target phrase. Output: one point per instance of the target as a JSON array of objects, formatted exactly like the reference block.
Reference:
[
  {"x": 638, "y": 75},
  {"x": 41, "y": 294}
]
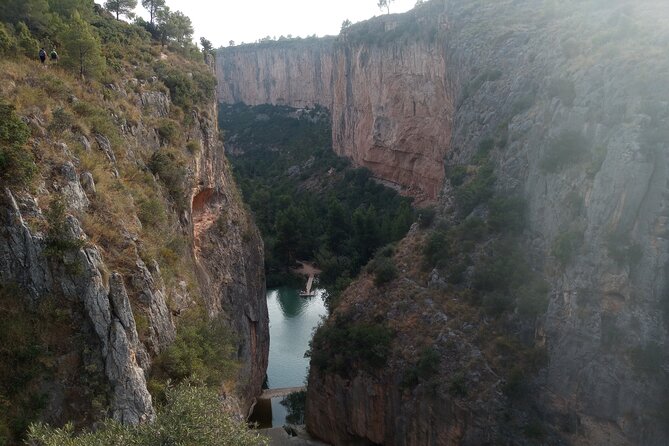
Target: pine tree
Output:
[
  {"x": 121, "y": 7},
  {"x": 154, "y": 7},
  {"x": 82, "y": 48}
]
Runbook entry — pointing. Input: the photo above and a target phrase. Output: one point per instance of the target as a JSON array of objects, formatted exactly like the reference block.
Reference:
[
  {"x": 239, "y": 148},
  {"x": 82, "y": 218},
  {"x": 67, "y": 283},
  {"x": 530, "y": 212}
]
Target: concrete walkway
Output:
[{"x": 274, "y": 393}]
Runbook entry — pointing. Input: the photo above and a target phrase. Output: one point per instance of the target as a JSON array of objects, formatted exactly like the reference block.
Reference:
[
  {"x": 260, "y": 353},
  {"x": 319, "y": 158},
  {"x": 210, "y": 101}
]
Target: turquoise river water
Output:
[{"x": 292, "y": 320}]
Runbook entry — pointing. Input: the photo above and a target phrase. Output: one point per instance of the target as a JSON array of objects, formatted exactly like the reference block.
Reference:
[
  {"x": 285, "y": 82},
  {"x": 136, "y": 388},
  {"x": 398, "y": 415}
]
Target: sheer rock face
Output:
[
  {"x": 229, "y": 254},
  {"x": 390, "y": 105},
  {"x": 298, "y": 75}
]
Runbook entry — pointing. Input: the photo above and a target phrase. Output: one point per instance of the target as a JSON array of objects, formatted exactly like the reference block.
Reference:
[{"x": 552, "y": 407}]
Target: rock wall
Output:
[
  {"x": 298, "y": 74},
  {"x": 390, "y": 100},
  {"x": 575, "y": 103}
]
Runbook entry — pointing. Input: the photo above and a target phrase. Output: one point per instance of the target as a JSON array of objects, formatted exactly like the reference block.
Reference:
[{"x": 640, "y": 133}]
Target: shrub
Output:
[
  {"x": 61, "y": 120},
  {"x": 59, "y": 239},
  {"x": 172, "y": 173},
  {"x": 203, "y": 352},
  {"x": 623, "y": 250},
  {"x": 168, "y": 131},
  {"x": 151, "y": 212},
  {"x": 295, "y": 404},
  {"x": 17, "y": 165},
  {"x": 458, "y": 385},
  {"x": 507, "y": 214},
  {"x": 344, "y": 345},
  {"x": 384, "y": 271},
  {"x": 426, "y": 217},
  {"x": 192, "y": 415},
  {"x": 568, "y": 148},
  {"x": 477, "y": 190},
  {"x": 457, "y": 175},
  {"x": 193, "y": 147},
  {"x": 647, "y": 358},
  {"x": 566, "y": 245},
  {"x": 6, "y": 41}
]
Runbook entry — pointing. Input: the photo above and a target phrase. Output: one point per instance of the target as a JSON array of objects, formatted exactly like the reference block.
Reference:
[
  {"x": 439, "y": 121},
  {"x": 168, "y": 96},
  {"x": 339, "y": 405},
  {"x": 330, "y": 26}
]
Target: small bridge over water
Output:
[{"x": 285, "y": 391}]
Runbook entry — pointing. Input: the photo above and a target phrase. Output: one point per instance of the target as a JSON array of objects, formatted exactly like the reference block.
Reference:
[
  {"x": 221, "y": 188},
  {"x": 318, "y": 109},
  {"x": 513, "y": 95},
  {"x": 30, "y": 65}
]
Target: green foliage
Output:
[
  {"x": 424, "y": 370},
  {"x": 458, "y": 385},
  {"x": 169, "y": 131},
  {"x": 19, "y": 365},
  {"x": 171, "y": 171},
  {"x": 27, "y": 43},
  {"x": 426, "y": 217},
  {"x": 188, "y": 87},
  {"x": 59, "y": 239},
  {"x": 344, "y": 345},
  {"x": 569, "y": 147},
  {"x": 457, "y": 175},
  {"x": 477, "y": 190},
  {"x": 6, "y": 40},
  {"x": 203, "y": 353},
  {"x": 474, "y": 85},
  {"x": 174, "y": 27},
  {"x": 191, "y": 416},
  {"x": 151, "y": 212},
  {"x": 307, "y": 203},
  {"x": 507, "y": 214},
  {"x": 384, "y": 270},
  {"x": 82, "y": 49},
  {"x": 564, "y": 90},
  {"x": 17, "y": 165},
  {"x": 193, "y": 147},
  {"x": 296, "y": 404},
  {"x": 566, "y": 245},
  {"x": 62, "y": 120},
  {"x": 121, "y": 7}
]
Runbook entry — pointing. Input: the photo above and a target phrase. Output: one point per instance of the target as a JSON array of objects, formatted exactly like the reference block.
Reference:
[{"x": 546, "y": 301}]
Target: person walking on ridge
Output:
[
  {"x": 42, "y": 55},
  {"x": 54, "y": 56}
]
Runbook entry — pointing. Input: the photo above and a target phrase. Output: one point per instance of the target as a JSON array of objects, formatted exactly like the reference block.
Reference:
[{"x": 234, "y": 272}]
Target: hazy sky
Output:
[{"x": 249, "y": 20}]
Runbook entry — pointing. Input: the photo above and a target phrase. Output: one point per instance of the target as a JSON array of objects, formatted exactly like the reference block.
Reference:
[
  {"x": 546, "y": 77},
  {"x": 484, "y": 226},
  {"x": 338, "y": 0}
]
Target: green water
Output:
[{"x": 292, "y": 320}]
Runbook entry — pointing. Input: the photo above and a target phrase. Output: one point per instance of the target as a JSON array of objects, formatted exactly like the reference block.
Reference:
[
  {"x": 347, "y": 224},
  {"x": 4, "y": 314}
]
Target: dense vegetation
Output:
[
  {"x": 308, "y": 203},
  {"x": 191, "y": 416}
]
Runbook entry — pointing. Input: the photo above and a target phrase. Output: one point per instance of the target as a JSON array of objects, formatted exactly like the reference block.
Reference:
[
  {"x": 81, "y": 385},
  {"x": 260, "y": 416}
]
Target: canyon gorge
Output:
[{"x": 562, "y": 107}]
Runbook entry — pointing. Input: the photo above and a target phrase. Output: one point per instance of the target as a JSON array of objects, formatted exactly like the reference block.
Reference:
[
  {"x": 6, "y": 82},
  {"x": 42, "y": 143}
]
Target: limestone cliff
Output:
[
  {"x": 132, "y": 225},
  {"x": 390, "y": 100}
]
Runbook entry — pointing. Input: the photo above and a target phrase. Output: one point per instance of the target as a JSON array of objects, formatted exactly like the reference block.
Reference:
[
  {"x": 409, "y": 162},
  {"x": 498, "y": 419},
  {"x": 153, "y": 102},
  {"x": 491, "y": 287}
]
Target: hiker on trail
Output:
[
  {"x": 54, "y": 56},
  {"x": 42, "y": 55}
]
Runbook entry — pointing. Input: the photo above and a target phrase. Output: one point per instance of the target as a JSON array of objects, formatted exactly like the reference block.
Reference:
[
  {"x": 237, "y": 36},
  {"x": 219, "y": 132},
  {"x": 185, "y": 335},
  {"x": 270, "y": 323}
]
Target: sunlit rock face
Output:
[{"x": 390, "y": 104}]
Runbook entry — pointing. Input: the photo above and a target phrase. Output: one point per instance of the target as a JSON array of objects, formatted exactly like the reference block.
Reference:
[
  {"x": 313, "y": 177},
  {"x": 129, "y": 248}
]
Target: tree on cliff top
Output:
[
  {"x": 121, "y": 7},
  {"x": 384, "y": 4},
  {"x": 154, "y": 7}
]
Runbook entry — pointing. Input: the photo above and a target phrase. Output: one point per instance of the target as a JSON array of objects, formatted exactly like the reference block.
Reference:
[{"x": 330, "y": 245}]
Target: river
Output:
[{"x": 291, "y": 323}]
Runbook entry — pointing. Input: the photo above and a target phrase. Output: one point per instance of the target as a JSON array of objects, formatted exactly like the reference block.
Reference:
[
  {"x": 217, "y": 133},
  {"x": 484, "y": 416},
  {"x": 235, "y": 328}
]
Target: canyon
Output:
[{"x": 565, "y": 105}]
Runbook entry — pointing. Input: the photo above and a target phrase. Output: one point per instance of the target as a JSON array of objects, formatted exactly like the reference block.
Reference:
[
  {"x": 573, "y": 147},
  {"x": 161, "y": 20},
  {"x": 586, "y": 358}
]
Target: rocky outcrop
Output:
[{"x": 78, "y": 276}]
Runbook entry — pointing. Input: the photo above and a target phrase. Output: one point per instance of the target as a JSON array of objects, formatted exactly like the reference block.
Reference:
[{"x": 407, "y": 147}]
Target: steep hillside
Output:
[
  {"x": 551, "y": 236},
  {"x": 126, "y": 255}
]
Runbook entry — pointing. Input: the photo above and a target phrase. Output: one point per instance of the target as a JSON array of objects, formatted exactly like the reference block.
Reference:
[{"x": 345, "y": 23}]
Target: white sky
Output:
[{"x": 249, "y": 20}]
